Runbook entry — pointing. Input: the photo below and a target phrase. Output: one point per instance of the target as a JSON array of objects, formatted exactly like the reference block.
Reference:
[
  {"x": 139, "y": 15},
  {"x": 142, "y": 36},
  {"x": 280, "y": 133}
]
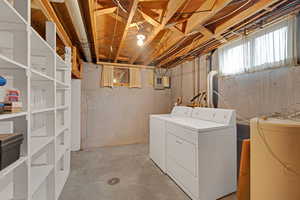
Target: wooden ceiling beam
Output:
[
  {"x": 172, "y": 7},
  {"x": 129, "y": 20},
  {"x": 252, "y": 10},
  {"x": 118, "y": 17},
  {"x": 159, "y": 46},
  {"x": 105, "y": 11},
  {"x": 149, "y": 19},
  {"x": 196, "y": 21},
  {"x": 149, "y": 12},
  {"x": 154, "y": 4},
  {"x": 198, "y": 18},
  {"x": 257, "y": 7},
  {"x": 48, "y": 10}
]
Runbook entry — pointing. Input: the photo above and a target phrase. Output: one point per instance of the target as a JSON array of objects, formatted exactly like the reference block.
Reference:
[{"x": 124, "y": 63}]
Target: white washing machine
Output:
[{"x": 198, "y": 152}]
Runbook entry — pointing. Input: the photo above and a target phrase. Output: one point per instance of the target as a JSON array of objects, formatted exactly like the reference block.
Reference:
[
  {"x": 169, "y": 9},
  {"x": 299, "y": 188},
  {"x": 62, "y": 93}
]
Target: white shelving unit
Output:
[{"x": 44, "y": 80}]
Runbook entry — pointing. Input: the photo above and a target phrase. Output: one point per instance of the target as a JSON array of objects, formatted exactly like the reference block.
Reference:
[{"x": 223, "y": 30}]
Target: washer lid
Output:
[{"x": 197, "y": 125}]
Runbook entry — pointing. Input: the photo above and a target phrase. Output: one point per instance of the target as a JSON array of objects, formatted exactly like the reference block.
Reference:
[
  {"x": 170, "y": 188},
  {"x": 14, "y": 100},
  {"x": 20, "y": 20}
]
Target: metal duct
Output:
[{"x": 75, "y": 13}]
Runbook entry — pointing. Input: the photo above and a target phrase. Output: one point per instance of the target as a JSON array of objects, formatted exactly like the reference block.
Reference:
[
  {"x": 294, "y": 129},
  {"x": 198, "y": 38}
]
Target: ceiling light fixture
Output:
[{"x": 140, "y": 39}]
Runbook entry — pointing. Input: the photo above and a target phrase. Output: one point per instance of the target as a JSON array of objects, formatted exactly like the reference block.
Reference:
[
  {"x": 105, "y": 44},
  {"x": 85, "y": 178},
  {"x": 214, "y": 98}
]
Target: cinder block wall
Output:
[
  {"x": 120, "y": 115},
  {"x": 251, "y": 94}
]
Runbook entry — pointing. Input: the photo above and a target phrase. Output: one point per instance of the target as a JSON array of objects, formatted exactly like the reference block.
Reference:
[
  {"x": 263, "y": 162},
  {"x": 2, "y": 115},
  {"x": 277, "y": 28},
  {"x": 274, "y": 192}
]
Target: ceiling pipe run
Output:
[{"x": 75, "y": 13}]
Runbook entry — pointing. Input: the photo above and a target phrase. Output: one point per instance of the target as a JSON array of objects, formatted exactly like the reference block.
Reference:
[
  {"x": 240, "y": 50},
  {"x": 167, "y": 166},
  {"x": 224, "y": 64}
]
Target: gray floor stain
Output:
[{"x": 139, "y": 178}]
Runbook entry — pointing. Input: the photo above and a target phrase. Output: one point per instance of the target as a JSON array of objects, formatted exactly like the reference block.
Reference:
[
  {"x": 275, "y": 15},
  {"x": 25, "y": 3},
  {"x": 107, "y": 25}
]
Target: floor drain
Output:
[{"x": 113, "y": 181}]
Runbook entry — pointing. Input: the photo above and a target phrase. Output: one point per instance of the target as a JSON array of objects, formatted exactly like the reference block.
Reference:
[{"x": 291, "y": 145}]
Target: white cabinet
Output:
[
  {"x": 200, "y": 155},
  {"x": 157, "y": 142}
]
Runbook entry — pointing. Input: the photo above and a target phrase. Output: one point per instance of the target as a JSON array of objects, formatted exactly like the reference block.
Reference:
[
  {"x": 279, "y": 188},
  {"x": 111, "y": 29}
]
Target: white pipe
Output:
[
  {"x": 57, "y": 1},
  {"x": 210, "y": 88},
  {"x": 75, "y": 13}
]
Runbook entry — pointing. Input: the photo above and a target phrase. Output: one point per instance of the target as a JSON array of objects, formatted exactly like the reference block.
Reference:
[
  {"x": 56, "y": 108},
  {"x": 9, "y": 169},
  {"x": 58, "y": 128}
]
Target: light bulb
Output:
[
  {"x": 141, "y": 37},
  {"x": 140, "y": 42}
]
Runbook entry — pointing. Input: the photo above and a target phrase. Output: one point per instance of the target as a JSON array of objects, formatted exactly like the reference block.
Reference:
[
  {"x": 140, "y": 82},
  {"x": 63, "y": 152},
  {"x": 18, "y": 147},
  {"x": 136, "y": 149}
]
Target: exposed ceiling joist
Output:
[
  {"x": 172, "y": 7},
  {"x": 154, "y": 4},
  {"x": 105, "y": 11},
  {"x": 48, "y": 10},
  {"x": 118, "y": 17},
  {"x": 173, "y": 28},
  {"x": 252, "y": 10},
  {"x": 149, "y": 19},
  {"x": 197, "y": 19},
  {"x": 257, "y": 7},
  {"x": 129, "y": 20}
]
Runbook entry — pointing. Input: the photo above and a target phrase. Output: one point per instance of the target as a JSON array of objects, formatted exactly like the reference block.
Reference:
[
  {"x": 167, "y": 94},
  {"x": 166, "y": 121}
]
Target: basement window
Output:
[
  {"x": 268, "y": 48},
  {"x": 121, "y": 77}
]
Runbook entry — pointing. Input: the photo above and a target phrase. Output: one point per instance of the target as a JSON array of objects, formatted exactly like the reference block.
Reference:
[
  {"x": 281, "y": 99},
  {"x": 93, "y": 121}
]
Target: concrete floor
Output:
[{"x": 140, "y": 179}]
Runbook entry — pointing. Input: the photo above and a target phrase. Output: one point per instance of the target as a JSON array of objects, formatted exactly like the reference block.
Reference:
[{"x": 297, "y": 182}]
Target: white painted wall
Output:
[
  {"x": 76, "y": 115},
  {"x": 120, "y": 115}
]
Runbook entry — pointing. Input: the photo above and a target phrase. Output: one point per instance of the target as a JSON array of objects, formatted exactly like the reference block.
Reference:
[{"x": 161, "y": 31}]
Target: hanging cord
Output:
[{"x": 273, "y": 154}]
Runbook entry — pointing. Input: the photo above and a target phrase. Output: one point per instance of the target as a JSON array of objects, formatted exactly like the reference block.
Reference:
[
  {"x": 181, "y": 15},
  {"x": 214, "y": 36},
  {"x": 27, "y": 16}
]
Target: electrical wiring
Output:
[
  {"x": 199, "y": 11},
  {"x": 229, "y": 14},
  {"x": 187, "y": 47},
  {"x": 117, "y": 2},
  {"x": 281, "y": 11},
  {"x": 186, "y": 36},
  {"x": 176, "y": 17},
  {"x": 177, "y": 45}
]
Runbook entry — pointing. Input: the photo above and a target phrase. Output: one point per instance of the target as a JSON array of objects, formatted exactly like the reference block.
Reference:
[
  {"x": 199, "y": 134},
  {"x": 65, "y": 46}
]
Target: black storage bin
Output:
[{"x": 9, "y": 149}]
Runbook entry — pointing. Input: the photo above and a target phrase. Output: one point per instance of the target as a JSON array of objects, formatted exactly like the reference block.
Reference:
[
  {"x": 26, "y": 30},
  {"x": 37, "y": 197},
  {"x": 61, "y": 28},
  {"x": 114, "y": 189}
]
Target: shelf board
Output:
[
  {"x": 42, "y": 110},
  {"x": 39, "y": 76},
  {"x": 38, "y": 175},
  {"x": 61, "y": 84},
  {"x": 64, "y": 107},
  {"x": 62, "y": 69},
  {"x": 62, "y": 89},
  {"x": 61, "y": 130},
  {"x": 38, "y": 143},
  {"x": 12, "y": 115},
  {"x": 60, "y": 63},
  {"x": 13, "y": 166},
  {"x": 10, "y": 14},
  {"x": 38, "y": 43},
  {"x": 8, "y": 63}
]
